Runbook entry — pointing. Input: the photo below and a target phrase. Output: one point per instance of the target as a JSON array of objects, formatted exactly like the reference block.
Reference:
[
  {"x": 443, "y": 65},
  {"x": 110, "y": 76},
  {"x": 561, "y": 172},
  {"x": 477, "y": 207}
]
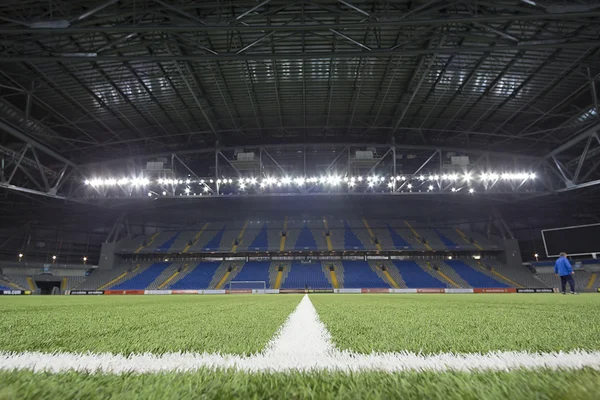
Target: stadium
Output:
[{"x": 302, "y": 199}]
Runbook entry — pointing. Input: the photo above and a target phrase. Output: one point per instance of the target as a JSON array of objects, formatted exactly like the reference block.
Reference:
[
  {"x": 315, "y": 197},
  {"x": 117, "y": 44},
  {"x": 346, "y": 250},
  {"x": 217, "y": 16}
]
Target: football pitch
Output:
[{"x": 296, "y": 346}]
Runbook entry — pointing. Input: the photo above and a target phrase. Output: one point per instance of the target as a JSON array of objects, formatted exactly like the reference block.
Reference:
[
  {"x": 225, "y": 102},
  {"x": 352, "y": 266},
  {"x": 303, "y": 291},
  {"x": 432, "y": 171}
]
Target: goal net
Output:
[{"x": 261, "y": 285}]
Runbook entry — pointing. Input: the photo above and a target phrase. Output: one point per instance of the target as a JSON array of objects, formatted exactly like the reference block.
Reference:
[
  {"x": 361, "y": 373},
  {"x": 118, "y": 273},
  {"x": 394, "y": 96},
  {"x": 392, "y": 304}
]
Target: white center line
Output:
[{"x": 302, "y": 343}]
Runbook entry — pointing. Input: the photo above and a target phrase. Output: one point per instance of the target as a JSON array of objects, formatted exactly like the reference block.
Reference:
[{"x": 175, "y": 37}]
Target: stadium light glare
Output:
[
  {"x": 87, "y": 182},
  {"x": 422, "y": 177},
  {"x": 371, "y": 184},
  {"x": 149, "y": 194},
  {"x": 201, "y": 181},
  {"x": 54, "y": 257},
  {"x": 360, "y": 178},
  {"x": 286, "y": 180},
  {"x": 84, "y": 259},
  {"x": 351, "y": 184},
  {"x": 390, "y": 184},
  {"x": 471, "y": 190},
  {"x": 430, "y": 187},
  {"x": 467, "y": 177},
  {"x": 454, "y": 177},
  {"x": 164, "y": 193},
  {"x": 300, "y": 181},
  {"x": 187, "y": 190},
  {"x": 453, "y": 190},
  {"x": 187, "y": 181},
  {"x": 210, "y": 181},
  {"x": 253, "y": 181},
  {"x": 263, "y": 184},
  {"x": 206, "y": 189},
  {"x": 242, "y": 186},
  {"x": 409, "y": 186},
  {"x": 20, "y": 255}
]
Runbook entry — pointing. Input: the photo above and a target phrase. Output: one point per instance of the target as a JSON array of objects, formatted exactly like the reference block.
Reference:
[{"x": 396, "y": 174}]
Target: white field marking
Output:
[{"x": 301, "y": 344}]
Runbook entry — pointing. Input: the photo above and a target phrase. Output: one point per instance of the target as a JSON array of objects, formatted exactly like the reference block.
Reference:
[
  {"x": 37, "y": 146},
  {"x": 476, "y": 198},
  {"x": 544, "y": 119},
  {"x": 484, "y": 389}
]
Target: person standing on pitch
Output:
[{"x": 563, "y": 269}]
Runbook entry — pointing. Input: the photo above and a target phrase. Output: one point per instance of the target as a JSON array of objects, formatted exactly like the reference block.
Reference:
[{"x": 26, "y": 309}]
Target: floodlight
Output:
[
  {"x": 359, "y": 179},
  {"x": 87, "y": 182},
  {"x": 187, "y": 181},
  {"x": 206, "y": 189},
  {"x": 230, "y": 181},
  {"x": 149, "y": 194},
  {"x": 422, "y": 177},
  {"x": 390, "y": 184},
  {"x": 453, "y": 189},
  {"x": 253, "y": 181},
  {"x": 286, "y": 180},
  {"x": 187, "y": 190},
  {"x": 370, "y": 184},
  {"x": 84, "y": 259},
  {"x": 54, "y": 257},
  {"x": 471, "y": 190},
  {"x": 20, "y": 255},
  {"x": 409, "y": 186},
  {"x": 430, "y": 187},
  {"x": 164, "y": 193}
]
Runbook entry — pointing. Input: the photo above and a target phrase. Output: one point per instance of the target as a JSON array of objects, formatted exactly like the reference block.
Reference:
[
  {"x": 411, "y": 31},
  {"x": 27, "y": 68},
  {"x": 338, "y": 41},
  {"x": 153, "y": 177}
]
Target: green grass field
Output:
[
  {"x": 243, "y": 324},
  {"x": 461, "y": 323},
  {"x": 136, "y": 324}
]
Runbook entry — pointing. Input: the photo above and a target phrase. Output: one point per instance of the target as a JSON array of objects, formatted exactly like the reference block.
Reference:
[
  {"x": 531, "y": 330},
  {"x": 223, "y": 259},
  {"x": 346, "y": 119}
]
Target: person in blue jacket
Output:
[{"x": 563, "y": 269}]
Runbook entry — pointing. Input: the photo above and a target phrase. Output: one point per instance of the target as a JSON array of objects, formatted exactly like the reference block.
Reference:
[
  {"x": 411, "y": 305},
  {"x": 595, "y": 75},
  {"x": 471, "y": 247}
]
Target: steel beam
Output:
[
  {"x": 582, "y": 136},
  {"x": 295, "y": 28},
  {"x": 209, "y": 150},
  {"x": 385, "y": 53},
  {"x": 34, "y": 143}
]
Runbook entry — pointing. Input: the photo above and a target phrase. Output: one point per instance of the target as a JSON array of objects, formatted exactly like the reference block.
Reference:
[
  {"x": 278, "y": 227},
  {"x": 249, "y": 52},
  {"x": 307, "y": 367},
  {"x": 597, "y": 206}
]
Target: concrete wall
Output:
[
  {"x": 512, "y": 253},
  {"x": 108, "y": 258}
]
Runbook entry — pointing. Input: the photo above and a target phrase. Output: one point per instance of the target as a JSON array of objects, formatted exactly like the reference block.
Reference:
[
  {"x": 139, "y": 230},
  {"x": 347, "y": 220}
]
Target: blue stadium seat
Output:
[
  {"x": 306, "y": 240},
  {"x": 167, "y": 245},
  {"x": 446, "y": 241},
  {"x": 309, "y": 276},
  {"x": 415, "y": 277},
  {"x": 261, "y": 241},
  {"x": 214, "y": 243},
  {"x": 473, "y": 277},
  {"x": 351, "y": 241},
  {"x": 398, "y": 241},
  {"x": 254, "y": 271},
  {"x": 358, "y": 274},
  {"x": 198, "y": 278},
  {"x": 144, "y": 278}
]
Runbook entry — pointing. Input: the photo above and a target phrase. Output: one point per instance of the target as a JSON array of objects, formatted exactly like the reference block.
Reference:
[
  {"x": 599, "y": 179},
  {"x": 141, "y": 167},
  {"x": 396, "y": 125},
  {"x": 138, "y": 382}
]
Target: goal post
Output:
[{"x": 238, "y": 285}]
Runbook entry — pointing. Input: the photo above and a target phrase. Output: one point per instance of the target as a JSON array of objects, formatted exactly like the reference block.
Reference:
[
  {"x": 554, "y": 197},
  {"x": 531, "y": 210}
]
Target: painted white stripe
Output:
[{"x": 301, "y": 344}]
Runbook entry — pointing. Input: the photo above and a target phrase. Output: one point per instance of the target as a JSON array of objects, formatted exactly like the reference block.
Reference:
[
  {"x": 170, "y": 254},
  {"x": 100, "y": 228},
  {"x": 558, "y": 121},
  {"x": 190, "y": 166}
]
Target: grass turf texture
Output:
[
  {"x": 583, "y": 384},
  {"x": 236, "y": 324},
  {"x": 461, "y": 323}
]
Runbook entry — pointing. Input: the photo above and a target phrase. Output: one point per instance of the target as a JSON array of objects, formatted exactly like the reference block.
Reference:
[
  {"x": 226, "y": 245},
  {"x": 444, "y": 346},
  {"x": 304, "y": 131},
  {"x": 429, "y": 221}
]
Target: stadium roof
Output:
[{"x": 95, "y": 80}]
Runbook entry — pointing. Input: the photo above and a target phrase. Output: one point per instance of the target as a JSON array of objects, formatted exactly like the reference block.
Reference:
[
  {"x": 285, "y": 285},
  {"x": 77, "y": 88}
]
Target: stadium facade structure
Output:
[{"x": 304, "y": 254}]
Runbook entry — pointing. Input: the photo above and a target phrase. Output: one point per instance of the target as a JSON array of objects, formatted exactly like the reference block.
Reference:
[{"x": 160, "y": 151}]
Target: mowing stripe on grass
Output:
[{"x": 301, "y": 344}]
